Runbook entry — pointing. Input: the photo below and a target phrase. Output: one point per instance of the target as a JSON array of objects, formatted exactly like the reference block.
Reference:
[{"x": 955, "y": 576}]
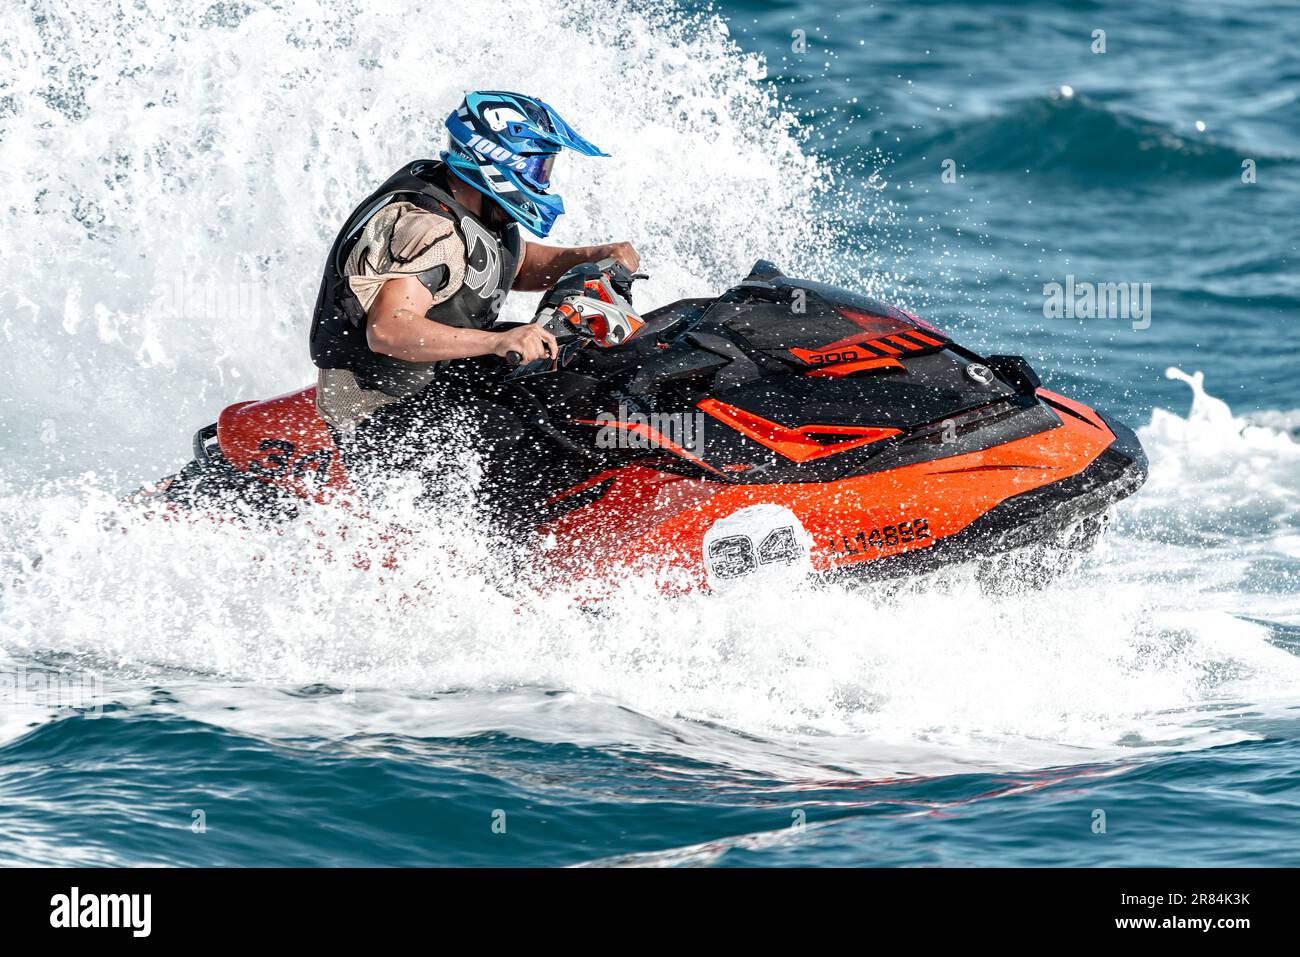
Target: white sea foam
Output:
[{"x": 175, "y": 171}]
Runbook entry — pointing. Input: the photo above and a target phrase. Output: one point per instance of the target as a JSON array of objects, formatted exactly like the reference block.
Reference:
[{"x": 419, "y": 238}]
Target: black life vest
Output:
[{"x": 338, "y": 330}]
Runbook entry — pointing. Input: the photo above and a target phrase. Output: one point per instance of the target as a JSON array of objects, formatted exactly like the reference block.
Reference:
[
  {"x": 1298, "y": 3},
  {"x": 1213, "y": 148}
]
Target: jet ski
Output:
[{"x": 783, "y": 427}]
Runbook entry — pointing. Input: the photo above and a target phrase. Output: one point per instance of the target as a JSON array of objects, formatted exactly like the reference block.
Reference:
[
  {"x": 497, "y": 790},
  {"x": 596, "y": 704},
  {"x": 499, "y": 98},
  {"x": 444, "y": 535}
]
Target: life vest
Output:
[{"x": 338, "y": 330}]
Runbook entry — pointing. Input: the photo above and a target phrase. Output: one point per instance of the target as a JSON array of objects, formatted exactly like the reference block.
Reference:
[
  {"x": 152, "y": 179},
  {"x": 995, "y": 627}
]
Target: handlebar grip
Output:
[{"x": 514, "y": 358}]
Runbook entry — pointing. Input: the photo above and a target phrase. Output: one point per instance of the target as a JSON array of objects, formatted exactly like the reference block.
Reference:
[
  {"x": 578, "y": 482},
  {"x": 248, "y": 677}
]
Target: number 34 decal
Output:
[
  {"x": 764, "y": 541},
  {"x": 736, "y": 555},
  {"x": 278, "y": 462}
]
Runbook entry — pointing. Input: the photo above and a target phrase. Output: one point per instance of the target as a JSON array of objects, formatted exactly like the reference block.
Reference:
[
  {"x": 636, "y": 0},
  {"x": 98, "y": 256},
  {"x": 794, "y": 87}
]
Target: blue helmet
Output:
[{"x": 504, "y": 144}]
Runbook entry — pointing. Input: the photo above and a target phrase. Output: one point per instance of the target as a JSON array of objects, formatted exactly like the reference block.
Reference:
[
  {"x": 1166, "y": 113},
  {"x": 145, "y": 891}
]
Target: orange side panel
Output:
[{"x": 651, "y": 519}]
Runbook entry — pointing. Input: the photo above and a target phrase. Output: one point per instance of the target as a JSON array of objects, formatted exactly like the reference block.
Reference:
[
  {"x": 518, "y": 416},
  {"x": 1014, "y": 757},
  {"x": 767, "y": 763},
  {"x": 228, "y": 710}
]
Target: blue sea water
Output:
[{"x": 180, "y": 694}]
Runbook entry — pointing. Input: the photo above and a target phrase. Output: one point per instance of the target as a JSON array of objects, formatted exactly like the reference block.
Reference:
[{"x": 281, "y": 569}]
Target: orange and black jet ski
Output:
[{"x": 783, "y": 424}]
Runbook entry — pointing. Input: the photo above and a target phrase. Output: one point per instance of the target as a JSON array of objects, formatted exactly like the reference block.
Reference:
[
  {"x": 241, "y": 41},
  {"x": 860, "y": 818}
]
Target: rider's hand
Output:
[
  {"x": 528, "y": 339},
  {"x": 625, "y": 253}
]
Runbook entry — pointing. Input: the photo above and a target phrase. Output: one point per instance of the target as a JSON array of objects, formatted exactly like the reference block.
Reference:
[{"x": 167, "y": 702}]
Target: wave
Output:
[
  {"x": 1072, "y": 134},
  {"x": 1224, "y": 484}
]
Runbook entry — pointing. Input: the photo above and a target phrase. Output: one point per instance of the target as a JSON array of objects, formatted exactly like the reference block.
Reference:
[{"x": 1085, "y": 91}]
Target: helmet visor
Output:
[{"x": 537, "y": 169}]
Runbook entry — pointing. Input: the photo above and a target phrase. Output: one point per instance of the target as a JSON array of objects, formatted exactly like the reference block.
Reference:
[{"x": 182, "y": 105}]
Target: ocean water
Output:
[{"x": 188, "y": 694}]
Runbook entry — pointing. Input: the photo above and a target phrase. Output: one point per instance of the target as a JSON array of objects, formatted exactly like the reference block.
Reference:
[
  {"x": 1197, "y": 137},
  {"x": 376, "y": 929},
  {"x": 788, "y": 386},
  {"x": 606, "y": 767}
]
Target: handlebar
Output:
[{"x": 568, "y": 307}]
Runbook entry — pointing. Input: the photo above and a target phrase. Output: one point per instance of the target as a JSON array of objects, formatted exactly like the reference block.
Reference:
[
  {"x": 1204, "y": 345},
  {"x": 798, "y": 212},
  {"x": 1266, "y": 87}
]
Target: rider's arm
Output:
[
  {"x": 543, "y": 265},
  {"x": 396, "y": 326}
]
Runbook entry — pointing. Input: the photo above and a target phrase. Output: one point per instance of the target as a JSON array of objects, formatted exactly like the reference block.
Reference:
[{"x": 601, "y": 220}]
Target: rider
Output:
[{"x": 419, "y": 271}]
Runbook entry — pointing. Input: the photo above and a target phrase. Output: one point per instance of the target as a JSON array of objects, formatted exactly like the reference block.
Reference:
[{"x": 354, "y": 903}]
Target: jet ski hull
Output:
[{"x": 837, "y": 436}]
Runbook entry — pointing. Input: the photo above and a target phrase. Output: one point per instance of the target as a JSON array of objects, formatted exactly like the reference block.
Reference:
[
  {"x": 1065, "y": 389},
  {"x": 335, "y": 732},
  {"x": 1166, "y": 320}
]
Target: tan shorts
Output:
[{"x": 344, "y": 404}]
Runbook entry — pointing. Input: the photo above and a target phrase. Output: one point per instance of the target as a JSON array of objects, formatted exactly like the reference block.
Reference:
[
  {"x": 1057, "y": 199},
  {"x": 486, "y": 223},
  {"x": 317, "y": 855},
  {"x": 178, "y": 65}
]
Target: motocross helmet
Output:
[{"x": 504, "y": 144}]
